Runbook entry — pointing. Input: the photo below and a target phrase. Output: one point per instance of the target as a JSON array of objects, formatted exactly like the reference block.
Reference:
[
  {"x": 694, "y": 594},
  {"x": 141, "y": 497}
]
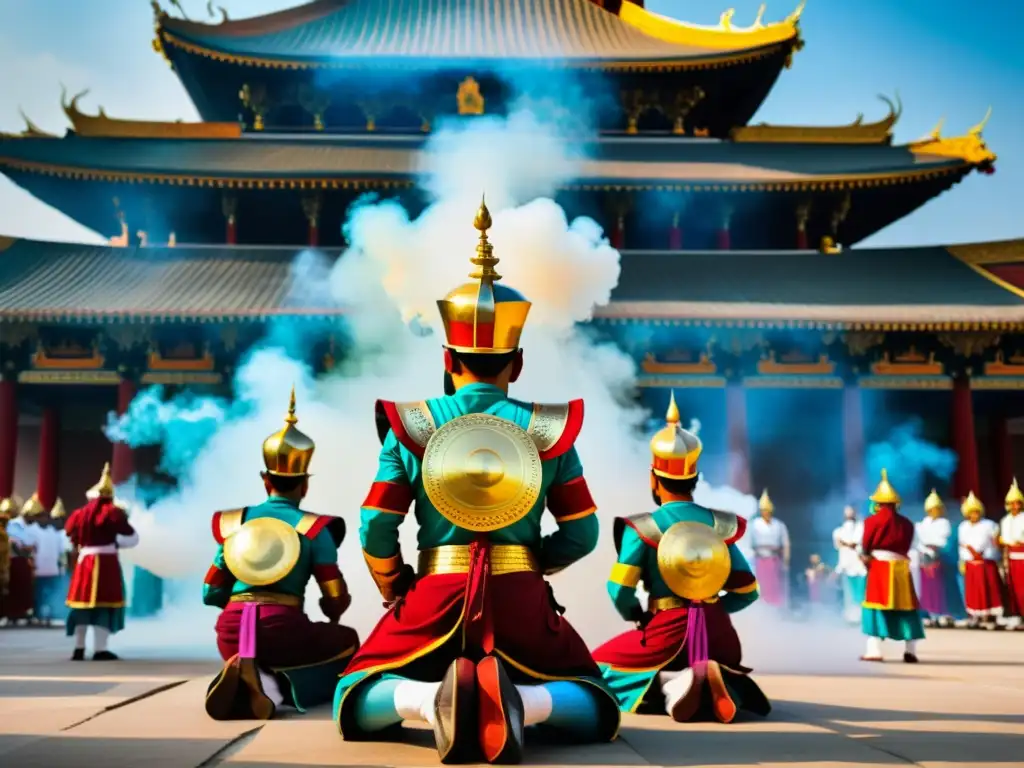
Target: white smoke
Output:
[{"x": 394, "y": 273}]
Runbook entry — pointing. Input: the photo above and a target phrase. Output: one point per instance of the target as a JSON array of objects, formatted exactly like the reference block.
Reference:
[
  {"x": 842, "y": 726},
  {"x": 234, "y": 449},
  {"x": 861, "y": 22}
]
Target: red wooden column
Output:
[
  {"x": 229, "y": 206},
  {"x": 49, "y": 434},
  {"x": 963, "y": 438},
  {"x": 122, "y": 465},
  {"x": 675, "y": 234},
  {"x": 311, "y": 206},
  {"x": 1002, "y": 455},
  {"x": 619, "y": 233},
  {"x": 803, "y": 213},
  {"x": 853, "y": 441},
  {"x": 724, "y": 233},
  {"x": 738, "y": 437},
  {"x": 8, "y": 435}
]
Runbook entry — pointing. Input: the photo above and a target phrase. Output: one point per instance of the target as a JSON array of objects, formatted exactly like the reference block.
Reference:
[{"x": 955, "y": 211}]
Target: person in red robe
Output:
[
  {"x": 1011, "y": 538},
  {"x": 979, "y": 562},
  {"x": 20, "y": 598},
  {"x": 96, "y": 594}
]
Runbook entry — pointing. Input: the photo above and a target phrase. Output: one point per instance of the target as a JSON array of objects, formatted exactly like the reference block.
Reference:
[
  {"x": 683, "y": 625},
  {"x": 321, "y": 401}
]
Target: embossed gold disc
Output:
[
  {"x": 482, "y": 472},
  {"x": 693, "y": 560},
  {"x": 263, "y": 551}
]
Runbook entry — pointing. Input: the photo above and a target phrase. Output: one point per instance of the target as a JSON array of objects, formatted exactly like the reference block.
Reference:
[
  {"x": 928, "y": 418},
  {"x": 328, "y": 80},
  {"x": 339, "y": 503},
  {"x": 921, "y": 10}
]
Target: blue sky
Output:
[{"x": 946, "y": 58}]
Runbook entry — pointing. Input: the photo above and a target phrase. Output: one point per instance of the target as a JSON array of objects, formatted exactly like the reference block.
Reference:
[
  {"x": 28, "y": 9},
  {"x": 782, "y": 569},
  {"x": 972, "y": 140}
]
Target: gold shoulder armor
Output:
[{"x": 554, "y": 427}]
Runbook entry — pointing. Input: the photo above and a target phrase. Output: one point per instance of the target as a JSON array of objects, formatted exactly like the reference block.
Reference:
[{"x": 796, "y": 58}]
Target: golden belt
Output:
[
  {"x": 455, "y": 558},
  {"x": 267, "y": 598},
  {"x": 656, "y": 604}
]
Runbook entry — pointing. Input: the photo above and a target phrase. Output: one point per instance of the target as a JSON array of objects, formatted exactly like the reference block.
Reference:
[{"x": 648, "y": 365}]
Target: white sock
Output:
[
  {"x": 414, "y": 701},
  {"x": 675, "y": 687},
  {"x": 80, "y": 631},
  {"x": 99, "y": 639},
  {"x": 271, "y": 688},
  {"x": 537, "y": 704},
  {"x": 874, "y": 648},
  {"x": 912, "y": 647}
]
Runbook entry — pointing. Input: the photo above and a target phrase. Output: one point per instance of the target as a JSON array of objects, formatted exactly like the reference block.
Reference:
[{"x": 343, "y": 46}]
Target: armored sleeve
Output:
[
  {"x": 572, "y": 506},
  {"x": 380, "y": 516},
  {"x": 336, "y": 598},
  {"x": 741, "y": 586},
  {"x": 626, "y": 575},
  {"x": 219, "y": 581}
]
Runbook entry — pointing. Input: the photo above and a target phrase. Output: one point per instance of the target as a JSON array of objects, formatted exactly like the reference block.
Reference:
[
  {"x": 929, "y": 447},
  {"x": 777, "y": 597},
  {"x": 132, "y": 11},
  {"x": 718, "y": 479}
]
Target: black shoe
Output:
[
  {"x": 105, "y": 656},
  {"x": 746, "y": 692},
  {"x": 501, "y": 719},
  {"x": 237, "y": 693},
  {"x": 455, "y": 714},
  {"x": 78, "y": 655},
  {"x": 909, "y": 658}
]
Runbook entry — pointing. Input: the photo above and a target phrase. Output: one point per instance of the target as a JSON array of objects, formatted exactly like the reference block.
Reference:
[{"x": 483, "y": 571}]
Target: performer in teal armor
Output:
[
  {"x": 473, "y": 642},
  {"x": 266, "y": 554},
  {"x": 680, "y": 632}
]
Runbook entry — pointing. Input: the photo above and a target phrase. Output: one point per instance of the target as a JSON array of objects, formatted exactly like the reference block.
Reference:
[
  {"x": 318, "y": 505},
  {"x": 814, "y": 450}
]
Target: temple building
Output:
[{"x": 740, "y": 289}]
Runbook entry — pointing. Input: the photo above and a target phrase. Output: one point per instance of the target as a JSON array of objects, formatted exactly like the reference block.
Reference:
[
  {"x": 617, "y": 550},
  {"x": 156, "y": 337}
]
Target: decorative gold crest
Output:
[{"x": 469, "y": 99}]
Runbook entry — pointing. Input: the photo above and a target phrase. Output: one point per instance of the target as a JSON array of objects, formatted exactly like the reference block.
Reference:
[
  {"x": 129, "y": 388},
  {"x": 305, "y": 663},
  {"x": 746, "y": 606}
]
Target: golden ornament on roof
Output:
[
  {"x": 972, "y": 504},
  {"x": 693, "y": 561},
  {"x": 263, "y": 551},
  {"x": 1014, "y": 496},
  {"x": 288, "y": 452},
  {"x": 482, "y": 472},
  {"x": 885, "y": 493},
  {"x": 674, "y": 450},
  {"x": 765, "y": 502},
  {"x": 933, "y": 502},
  {"x": 104, "y": 489}
]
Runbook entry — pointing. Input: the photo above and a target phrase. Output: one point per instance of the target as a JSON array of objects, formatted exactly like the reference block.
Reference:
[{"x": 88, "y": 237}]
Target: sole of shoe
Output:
[
  {"x": 721, "y": 702},
  {"x": 455, "y": 715},
  {"x": 501, "y": 714},
  {"x": 222, "y": 695},
  {"x": 685, "y": 708}
]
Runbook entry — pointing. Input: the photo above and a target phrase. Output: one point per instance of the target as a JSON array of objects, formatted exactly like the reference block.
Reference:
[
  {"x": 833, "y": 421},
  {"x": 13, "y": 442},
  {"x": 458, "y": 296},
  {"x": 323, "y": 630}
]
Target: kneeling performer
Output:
[
  {"x": 266, "y": 554},
  {"x": 686, "y": 557},
  {"x": 473, "y": 643}
]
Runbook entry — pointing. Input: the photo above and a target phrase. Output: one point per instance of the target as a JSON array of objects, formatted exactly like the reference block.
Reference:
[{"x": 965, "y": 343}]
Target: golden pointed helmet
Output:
[
  {"x": 33, "y": 507},
  {"x": 885, "y": 493},
  {"x": 8, "y": 508},
  {"x": 287, "y": 452},
  {"x": 765, "y": 503},
  {"x": 104, "y": 489},
  {"x": 58, "y": 510},
  {"x": 674, "y": 451},
  {"x": 933, "y": 502},
  {"x": 483, "y": 317},
  {"x": 972, "y": 504},
  {"x": 1014, "y": 496}
]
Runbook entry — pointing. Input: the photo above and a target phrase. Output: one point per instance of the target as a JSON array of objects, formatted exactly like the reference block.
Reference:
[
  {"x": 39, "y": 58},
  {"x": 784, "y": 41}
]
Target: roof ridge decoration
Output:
[
  {"x": 32, "y": 131},
  {"x": 971, "y": 147},
  {"x": 102, "y": 126},
  {"x": 718, "y": 36},
  {"x": 857, "y": 132}
]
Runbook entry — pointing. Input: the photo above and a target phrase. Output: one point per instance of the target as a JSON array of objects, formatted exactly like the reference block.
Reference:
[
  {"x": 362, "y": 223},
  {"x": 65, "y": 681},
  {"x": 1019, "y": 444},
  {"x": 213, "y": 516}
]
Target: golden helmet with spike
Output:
[
  {"x": 885, "y": 493},
  {"x": 765, "y": 504},
  {"x": 972, "y": 504},
  {"x": 104, "y": 489},
  {"x": 8, "y": 508},
  {"x": 58, "y": 510},
  {"x": 674, "y": 450},
  {"x": 287, "y": 452},
  {"x": 934, "y": 502},
  {"x": 33, "y": 507},
  {"x": 1014, "y": 496},
  {"x": 482, "y": 317}
]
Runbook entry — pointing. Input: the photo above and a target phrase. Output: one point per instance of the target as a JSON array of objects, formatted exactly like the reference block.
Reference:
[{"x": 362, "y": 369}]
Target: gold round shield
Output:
[
  {"x": 693, "y": 560},
  {"x": 263, "y": 551},
  {"x": 482, "y": 472}
]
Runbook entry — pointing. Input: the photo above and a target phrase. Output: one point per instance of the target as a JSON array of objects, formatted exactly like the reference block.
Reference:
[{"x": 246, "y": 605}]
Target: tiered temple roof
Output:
[{"x": 926, "y": 288}]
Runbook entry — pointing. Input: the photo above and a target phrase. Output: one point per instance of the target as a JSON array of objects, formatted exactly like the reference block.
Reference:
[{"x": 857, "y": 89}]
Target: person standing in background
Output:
[
  {"x": 979, "y": 562},
  {"x": 849, "y": 566},
  {"x": 46, "y": 571},
  {"x": 770, "y": 540},
  {"x": 18, "y": 606},
  {"x": 5, "y": 556},
  {"x": 941, "y": 602},
  {"x": 1011, "y": 538}
]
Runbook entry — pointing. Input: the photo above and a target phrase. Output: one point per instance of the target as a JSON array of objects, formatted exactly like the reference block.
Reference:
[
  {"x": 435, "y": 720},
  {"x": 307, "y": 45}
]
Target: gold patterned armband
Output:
[
  {"x": 625, "y": 575},
  {"x": 385, "y": 571}
]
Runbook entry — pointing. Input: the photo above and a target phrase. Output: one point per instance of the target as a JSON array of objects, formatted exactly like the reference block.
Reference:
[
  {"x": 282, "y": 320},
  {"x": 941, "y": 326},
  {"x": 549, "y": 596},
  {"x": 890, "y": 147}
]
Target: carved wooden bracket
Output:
[
  {"x": 969, "y": 344},
  {"x": 685, "y": 101}
]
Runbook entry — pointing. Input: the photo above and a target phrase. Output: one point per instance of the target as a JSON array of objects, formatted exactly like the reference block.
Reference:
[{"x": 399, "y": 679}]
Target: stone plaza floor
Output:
[{"x": 963, "y": 705}]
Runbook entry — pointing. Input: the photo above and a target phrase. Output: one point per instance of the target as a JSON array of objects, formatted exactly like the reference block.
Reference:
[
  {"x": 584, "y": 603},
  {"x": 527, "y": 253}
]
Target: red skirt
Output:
[
  {"x": 20, "y": 598},
  {"x": 96, "y": 583},
  {"x": 771, "y": 580},
  {"x": 661, "y": 643},
  {"x": 285, "y": 637},
  {"x": 1015, "y": 588},
  {"x": 983, "y": 589},
  {"x": 529, "y": 634}
]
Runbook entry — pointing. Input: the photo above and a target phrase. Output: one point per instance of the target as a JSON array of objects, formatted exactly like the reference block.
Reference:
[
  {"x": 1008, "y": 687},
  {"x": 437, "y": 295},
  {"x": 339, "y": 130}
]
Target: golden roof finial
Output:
[
  {"x": 291, "y": 418},
  {"x": 759, "y": 20},
  {"x": 672, "y": 414},
  {"x": 936, "y": 133},
  {"x": 485, "y": 259},
  {"x": 976, "y": 130}
]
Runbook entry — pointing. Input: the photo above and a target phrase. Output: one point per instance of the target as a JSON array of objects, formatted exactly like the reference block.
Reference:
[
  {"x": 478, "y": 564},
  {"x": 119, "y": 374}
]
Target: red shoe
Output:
[
  {"x": 501, "y": 715},
  {"x": 455, "y": 711},
  {"x": 722, "y": 704}
]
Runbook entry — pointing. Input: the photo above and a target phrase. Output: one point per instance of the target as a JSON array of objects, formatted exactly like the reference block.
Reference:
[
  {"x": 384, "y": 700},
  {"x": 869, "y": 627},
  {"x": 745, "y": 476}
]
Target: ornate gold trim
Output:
[
  {"x": 997, "y": 383},
  {"x": 723, "y": 36},
  {"x": 173, "y": 378},
  {"x": 999, "y": 366},
  {"x": 101, "y": 126},
  {"x": 158, "y": 363},
  {"x": 857, "y": 132},
  {"x": 722, "y": 61},
  {"x": 789, "y": 381},
  {"x": 909, "y": 364},
  {"x": 703, "y": 367},
  {"x": 971, "y": 147},
  {"x": 769, "y": 366},
  {"x": 681, "y": 382},
  {"x": 69, "y": 377},
  {"x": 42, "y": 360},
  {"x": 905, "y": 382},
  {"x": 996, "y": 252}
]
